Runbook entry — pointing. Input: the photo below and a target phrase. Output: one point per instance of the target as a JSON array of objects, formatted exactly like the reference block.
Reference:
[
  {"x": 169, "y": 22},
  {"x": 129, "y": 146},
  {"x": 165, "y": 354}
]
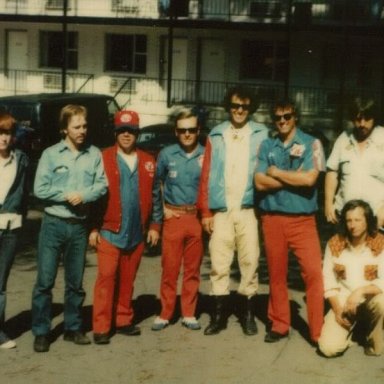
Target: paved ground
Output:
[{"x": 174, "y": 355}]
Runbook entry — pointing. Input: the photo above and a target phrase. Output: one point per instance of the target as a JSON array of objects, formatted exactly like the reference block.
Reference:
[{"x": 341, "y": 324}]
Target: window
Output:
[
  {"x": 126, "y": 53},
  {"x": 261, "y": 60},
  {"x": 51, "y": 49}
]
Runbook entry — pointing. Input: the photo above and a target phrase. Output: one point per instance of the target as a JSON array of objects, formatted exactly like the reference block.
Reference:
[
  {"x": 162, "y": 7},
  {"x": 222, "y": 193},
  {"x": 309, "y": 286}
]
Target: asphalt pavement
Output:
[{"x": 174, "y": 355}]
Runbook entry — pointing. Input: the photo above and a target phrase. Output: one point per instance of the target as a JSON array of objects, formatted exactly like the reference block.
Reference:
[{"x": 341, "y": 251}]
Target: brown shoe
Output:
[
  {"x": 76, "y": 337},
  {"x": 128, "y": 330},
  {"x": 101, "y": 338}
]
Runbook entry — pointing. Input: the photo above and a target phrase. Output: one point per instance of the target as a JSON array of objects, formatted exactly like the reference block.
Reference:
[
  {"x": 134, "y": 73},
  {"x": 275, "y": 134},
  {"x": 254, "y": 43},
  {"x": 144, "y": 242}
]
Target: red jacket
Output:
[{"x": 111, "y": 218}]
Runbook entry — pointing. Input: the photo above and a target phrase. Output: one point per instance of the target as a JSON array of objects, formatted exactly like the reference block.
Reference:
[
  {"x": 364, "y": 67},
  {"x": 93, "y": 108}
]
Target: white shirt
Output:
[
  {"x": 237, "y": 143},
  {"x": 361, "y": 172},
  {"x": 352, "y": 269},
  {"x": 8, "y": 169}
]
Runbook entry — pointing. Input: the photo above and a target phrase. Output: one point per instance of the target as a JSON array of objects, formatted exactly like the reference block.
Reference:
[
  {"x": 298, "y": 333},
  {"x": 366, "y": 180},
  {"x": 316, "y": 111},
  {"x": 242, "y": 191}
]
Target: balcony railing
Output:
[
  {"x": 316, "y": 104},
  {"x": 24, "y": 81},
  {"x": 260, "y": 11}
]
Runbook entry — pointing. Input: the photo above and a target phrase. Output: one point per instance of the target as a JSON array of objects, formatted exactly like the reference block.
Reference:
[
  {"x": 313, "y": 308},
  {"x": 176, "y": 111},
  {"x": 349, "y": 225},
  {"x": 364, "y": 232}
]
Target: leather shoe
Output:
[
  {"x": 76, "y": 337},
  {"x": 101, "y": 338},
  {"x": 129, "y": 330},
  {"x": 41, "y": 343},
  {"x": 274, "y": 337}
]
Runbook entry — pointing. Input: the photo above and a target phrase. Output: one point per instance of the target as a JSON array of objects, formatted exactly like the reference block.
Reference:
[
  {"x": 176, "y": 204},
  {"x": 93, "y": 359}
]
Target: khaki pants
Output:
[
  {"x": 234, "y": 230},
  {"x": 335, "y": 339}
]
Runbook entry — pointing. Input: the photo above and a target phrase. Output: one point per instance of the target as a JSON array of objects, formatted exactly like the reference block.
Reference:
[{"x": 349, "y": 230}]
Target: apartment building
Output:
[{"x": 153, "y": 55}]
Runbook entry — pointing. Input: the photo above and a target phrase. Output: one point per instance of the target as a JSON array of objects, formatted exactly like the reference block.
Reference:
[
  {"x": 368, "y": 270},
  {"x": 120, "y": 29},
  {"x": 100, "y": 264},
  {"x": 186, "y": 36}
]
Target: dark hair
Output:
[
  {"x": 363, "y": 107},
  {"x": 242, "y": 93},
  {"x": 285, "y": 104},
  {"x": 368, "y": 213},
  {"x": 67, "y": 112},
  {"x": 7, "y": 122}
]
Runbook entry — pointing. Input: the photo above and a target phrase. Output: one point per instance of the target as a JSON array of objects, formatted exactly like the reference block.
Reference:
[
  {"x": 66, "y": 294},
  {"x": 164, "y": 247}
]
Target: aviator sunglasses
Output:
[
  {"x": 286, "y": 117},
  {"x": 187, "y": 130}
]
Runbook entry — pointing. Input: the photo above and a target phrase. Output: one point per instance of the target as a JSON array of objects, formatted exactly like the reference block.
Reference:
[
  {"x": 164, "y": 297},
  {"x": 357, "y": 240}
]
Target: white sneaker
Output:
[
  {"x": 191, "y": 323},
  {"x": 159, "y": 324},
  {"x": 9, "y": 344}
]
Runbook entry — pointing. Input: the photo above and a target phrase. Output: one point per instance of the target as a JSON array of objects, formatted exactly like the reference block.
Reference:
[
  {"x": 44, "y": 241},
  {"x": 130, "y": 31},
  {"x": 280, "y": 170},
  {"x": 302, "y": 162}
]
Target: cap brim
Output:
[{"x": 122, "y": 128}]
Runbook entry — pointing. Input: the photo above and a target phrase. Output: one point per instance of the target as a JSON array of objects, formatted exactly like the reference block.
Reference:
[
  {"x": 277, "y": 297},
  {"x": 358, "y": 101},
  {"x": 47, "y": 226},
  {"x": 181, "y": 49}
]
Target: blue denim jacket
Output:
[
  {"x": 16, "y": 199},
  {"x": 217, "y": 200},
  {"x": 60, "y": 171}
]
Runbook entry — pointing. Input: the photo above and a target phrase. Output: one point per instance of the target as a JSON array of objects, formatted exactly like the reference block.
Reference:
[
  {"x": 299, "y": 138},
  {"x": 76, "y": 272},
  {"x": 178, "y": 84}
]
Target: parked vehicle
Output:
[{"x": 38, "y": 118}]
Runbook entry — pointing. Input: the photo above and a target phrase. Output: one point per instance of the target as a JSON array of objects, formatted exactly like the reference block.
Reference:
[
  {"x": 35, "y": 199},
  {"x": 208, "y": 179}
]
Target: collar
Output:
[
  {"x": 297, "y": 139},
  {"x": 63, "y": 146},
  {"x": 338, "y": 243},
  {"x": 10, "y": 159}
]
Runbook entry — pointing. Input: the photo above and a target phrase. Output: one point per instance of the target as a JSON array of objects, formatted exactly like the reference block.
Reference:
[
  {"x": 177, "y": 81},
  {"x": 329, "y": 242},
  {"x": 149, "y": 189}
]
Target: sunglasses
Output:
[
  {"x": 187, "y": 130},
  {"x": 245, "y": 107},
  {"x": 132, "y": 131},
  {"x": 286, "y": 117}
]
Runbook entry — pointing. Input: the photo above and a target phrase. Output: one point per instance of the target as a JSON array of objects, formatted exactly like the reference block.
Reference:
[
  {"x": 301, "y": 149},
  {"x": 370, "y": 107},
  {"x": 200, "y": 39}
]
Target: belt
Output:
[
  {"x": 69, "y": 220},
  {"x": 188, "y": 209}
]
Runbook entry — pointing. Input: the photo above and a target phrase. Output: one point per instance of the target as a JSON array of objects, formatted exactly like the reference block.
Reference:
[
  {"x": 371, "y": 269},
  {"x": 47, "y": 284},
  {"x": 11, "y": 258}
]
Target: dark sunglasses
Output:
[
  {"x": 185, "y": 130},
  {"x": 132, "y": 131},
  {"x": 286, "y": 117},
  {"x": 245, "y": 107}
]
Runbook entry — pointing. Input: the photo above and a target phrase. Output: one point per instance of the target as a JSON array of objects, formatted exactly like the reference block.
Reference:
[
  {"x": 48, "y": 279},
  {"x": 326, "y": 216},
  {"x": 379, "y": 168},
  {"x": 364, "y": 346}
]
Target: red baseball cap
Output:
[{"x": 126, "y": 120}]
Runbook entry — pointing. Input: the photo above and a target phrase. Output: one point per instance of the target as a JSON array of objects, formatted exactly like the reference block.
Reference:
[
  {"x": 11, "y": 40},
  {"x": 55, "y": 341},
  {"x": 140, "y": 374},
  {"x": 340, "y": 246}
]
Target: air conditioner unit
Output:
[
  {"x": 262, "y": 9},
  {"x": 52, "y": 80},
  {"x": 115, "y": 85},
  {"x": 56, "y": 4},
  {"x": 128, "y": 6}
]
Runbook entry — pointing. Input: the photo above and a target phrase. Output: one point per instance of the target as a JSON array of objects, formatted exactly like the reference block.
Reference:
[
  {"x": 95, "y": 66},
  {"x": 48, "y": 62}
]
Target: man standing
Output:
[
  {"x": 355, "y": 168},
  {"x": 288, "y": 168},
  {"x": 13, "y": 207},
  {"x": 69, "y": 176},
  {"x": 177, "y": 180},
  {"x": 354, "y": 283},
  {"x": 119, "y": 235},
  {"x": 226, "y": 201}
]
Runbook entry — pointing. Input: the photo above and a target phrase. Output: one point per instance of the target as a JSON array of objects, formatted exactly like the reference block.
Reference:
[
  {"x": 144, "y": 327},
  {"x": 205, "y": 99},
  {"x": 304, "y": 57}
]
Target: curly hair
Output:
[{"x": 242, "y": 93}]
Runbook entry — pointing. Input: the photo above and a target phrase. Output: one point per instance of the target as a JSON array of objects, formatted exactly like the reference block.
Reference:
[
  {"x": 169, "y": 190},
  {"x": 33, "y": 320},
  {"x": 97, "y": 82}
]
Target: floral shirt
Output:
[{"x": 346, "y": 269}]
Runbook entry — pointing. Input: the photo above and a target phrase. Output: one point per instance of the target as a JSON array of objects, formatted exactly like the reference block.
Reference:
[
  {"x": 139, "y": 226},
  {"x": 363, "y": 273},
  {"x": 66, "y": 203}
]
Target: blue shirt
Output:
[
  {"x": 178, "y": 174},
  {"x": 304, "y": 152},
  {"x": 130, "y": 232},
  {"x": 61, "y": 171}
]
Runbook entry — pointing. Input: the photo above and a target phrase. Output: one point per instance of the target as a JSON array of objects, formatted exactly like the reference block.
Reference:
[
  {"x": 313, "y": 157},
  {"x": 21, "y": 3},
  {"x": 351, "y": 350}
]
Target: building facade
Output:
[{"x": 153, "y": 55}]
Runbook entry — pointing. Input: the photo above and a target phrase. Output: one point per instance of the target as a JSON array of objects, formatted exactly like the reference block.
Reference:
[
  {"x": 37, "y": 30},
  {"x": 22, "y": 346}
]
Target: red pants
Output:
[
  {"x": 298, "y": 233},
  {"x": 114, "y": 266},
  {"x": 181, "y": 244}
]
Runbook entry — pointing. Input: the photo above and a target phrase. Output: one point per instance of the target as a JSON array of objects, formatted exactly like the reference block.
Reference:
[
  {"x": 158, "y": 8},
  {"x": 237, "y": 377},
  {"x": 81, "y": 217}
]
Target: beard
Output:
[{"x": 361, "y": 134}]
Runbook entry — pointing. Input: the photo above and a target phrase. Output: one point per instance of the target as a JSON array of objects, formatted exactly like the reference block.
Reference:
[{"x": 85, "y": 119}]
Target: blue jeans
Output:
[
  {"x": 58, "y": 237},
  {"x": 8, "y": 241}
]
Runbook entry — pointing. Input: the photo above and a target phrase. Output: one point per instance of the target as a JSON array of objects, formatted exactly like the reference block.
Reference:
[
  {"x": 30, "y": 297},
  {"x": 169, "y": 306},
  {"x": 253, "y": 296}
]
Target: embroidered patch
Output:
[
  {"x": 340, "y": 272},
  {"x": 149, "y": 167},
  {"x": 297, "y": 150},
  {"x": 371, "y": 272}
]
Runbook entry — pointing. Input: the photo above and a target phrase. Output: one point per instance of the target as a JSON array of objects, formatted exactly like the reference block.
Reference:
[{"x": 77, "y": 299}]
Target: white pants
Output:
[
  {"x": 234, "y": 230},
  {"x": 335, "y": 339}
]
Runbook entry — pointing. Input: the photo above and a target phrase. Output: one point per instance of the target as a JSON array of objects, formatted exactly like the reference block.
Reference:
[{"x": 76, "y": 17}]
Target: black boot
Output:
[
  {"x": 219, "y": 318},
  {"x": 247, "y": 316}
]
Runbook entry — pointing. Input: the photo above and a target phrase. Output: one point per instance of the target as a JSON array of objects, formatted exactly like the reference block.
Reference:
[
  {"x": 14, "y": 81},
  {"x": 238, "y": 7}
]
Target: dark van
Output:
[{"x": 38, "y": 118}]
